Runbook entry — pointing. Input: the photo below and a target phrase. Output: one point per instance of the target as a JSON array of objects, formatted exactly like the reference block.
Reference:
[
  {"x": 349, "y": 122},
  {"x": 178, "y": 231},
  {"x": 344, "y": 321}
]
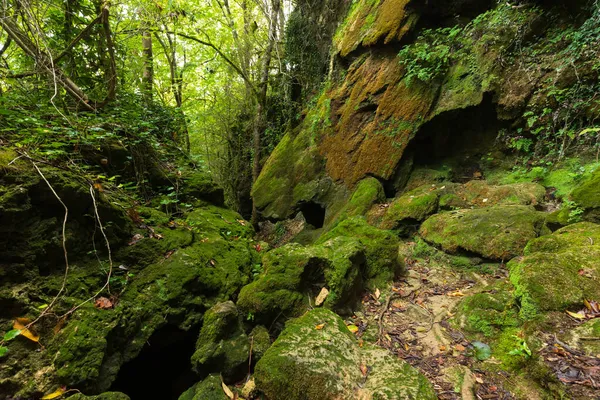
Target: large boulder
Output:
[
  {"x": 498, "y": 233},
  {"x": 316, "y": 357},
  {"x": 209, "y": 389},
  {"x": 222, "y": 345},
  {"x": 558, "y": 271},
  {"x": 587, "y": 196},
  {"x": 292, "y": 273}
]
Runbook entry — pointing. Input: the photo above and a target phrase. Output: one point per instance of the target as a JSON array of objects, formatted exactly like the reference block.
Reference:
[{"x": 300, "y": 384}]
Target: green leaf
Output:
[
  {"x": 10, "y": 335},
  {"x": 482, "y": 351},
  {"x": 3, "y": 351}
]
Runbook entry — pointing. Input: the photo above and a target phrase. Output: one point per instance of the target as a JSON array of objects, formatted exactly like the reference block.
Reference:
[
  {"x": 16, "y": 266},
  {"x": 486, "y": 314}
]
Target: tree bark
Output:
[
  {"x": 262, "y": 99},
  {"x": 148, "y": 73}
]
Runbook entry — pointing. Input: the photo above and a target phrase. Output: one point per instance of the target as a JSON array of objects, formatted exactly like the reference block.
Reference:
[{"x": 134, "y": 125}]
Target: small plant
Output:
[
  {"x": 8, "y": 336},
  {"x": 575, "y": 211},
  {"x": 522, "y": 349}
]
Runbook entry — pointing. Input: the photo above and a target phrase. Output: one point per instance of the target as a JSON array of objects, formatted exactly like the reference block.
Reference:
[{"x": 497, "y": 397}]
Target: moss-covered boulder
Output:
[
  {"x": 381, "y": 249},
  {"x": 479, "y": 193},
  {"x": 292, "y": 273},
  {"x": 558, "y": 271},
  {"x": 368, "y": 192},
  {"x": 209, "y": 389},
  {"x": 409, "y": 209},
  {"x": 199, "y": 185},
  {"x": 316, "y": 357},
  {"x": 587, "y": 196},
  {"x": 498, "y": 233},
  {"x": 103, "y": 396},
  {"x": 222, "y": 345},
  {"x": 488, "y": 312},
  {"x": 260, "y": 340}
]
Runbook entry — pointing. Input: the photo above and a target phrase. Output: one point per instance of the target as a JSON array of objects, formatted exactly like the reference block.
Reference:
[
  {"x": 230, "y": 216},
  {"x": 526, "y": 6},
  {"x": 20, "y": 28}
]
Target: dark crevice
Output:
[
  {"x": 456, "y": 140},
  {"x": 162, "y": 370},
  {"x": 314, "y": 213}
]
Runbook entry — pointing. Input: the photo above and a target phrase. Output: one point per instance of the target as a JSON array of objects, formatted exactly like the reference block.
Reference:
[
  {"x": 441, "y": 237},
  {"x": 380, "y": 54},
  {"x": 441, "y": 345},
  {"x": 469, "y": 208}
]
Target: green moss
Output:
[
  {"x": 411, "y": 207},
  {"x": 309, "y": 363},
  {"x": 261, "y": 341},
  {"x": 558, "y": 270},
  {"x": 208, "y": 389},
  {"x": 291, "y": 272},
  {"x": 368, "y": 192},
  {"x": 222, "y": 344},
  {"x": 381, "y": 249},
  {"x": 103, "y": 396},
  {"x": 498, "y": 233},
  {"x": 587, "y": 194}
]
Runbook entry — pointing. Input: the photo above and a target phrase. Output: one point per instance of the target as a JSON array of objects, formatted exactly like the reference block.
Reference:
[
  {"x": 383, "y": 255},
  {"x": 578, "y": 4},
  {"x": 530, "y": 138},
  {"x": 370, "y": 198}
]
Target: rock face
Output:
[
  {"x": 558, "y": 271},
  {"x": 222, "y": 345},
  {"x": 364, "y": 122},
  {"x": 498, "y": 233},
  {"x": 316, "y": 357},
  {"x": 587, "y": 196}
]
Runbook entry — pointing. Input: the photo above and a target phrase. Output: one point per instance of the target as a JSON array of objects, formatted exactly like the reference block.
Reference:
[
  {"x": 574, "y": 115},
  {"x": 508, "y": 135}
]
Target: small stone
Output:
[{"x": 321, "y": 297}]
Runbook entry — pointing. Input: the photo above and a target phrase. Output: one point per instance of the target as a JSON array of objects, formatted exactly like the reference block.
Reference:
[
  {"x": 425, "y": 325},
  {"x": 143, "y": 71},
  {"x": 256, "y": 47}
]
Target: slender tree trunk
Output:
[
  {"x": 148, "y": 73},
  {"x": 262, "y": 98}
]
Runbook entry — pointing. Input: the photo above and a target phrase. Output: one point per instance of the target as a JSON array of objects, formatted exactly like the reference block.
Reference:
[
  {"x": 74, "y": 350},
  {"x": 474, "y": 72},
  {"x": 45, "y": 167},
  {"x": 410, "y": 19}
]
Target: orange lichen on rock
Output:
[
  {"x": 376, "y": 118},
  {"x": 371, "y": 22}
]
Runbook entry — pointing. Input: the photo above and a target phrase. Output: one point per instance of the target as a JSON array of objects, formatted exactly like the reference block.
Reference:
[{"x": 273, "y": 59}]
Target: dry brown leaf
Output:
[
  {"x": 20, "y": 325},
  {"x": 377, "y": 294},
  {"x": 458, "y": 293},
  {"x": 319, "y": 327},
  {"x": 103, "y": 303},
  {"x": 56, "y": 394},
  {"x": 459, "y": 347},
  {"x": 227, "y": 391},
  {"x": 364, "y": 369},
  {"x": 442, "y": 347}
]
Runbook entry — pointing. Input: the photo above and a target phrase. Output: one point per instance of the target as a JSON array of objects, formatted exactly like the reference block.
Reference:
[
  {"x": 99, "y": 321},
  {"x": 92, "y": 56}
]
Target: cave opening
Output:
[
  {"x": 455, "y": 140},
  {"x": 162, "y": 370},
  {"x": 314, "y": 214}
]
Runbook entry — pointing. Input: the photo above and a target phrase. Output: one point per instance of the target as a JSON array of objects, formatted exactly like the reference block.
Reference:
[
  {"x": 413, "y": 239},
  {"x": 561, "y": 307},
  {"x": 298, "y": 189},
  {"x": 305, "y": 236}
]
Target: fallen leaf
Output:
[
  {"x": 212, "y": 262},
  {"x": 98, "y": 187},
  {"x": 59, "y": 325},
  {"x": 319, "y": 327},
  {"x": 442, "y": 347},
  {"x": 458, "y": 293},
  {"x": 136, "y": 238},
  {"x": 241, "y": 222},
  {"x": 103, "y": 303},
  {"x": 478, "y": 380},
  {"x": 169, "y": 253},
  {"x": 227, "y": 391},
  {"x": 579, "y": 315},
  {"x": 459, "y": 347},
  {"x": 377, "y": 294},
  {"x": 364, "y": 369},
  {"x": 20, "y": 325},
  {"x": 257, "y": 247},
  {"x": 321, "y": 297},
  {"x": 56, "y": 394},
  {"x": 352, "y": 328}
]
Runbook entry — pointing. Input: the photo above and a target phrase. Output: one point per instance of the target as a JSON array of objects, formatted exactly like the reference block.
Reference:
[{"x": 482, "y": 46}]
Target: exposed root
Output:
[{"x": 64, "y": 246}]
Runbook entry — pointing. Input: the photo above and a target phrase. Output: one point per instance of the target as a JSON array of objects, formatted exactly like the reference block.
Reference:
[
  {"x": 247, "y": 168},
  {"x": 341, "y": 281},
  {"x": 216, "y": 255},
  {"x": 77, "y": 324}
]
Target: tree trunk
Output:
[
  {"x": 262, "y": 98},
  {"x": 111, "y": 67},
  {"x": 44, "y": 61},
  {"x": 148, "y": 73}
]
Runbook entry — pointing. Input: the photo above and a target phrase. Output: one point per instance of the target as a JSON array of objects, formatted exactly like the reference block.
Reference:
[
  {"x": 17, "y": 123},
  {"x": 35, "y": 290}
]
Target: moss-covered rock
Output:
[
  {"x": 222, "y": 344},
  {"x": 381, "y": 249},
  {"x": 208, "y": 389},
  {"x": 292, "y": 272},
  {"x": 103, "y": 396},
  {"x": 480, "y": 194},
  {"x": 587, "y": 196},
  {"x": 488, "y": 312},
  {"x": 310, "y": 363},
  {"x": 199, "y": 185},
  {"x": 261, "y": 341},
  {"x": 499, "y": 232},
  {"x": 368, "y": 192},
  {"x": 410, "y": 208},
  {"x": 558, "y": 271}
]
